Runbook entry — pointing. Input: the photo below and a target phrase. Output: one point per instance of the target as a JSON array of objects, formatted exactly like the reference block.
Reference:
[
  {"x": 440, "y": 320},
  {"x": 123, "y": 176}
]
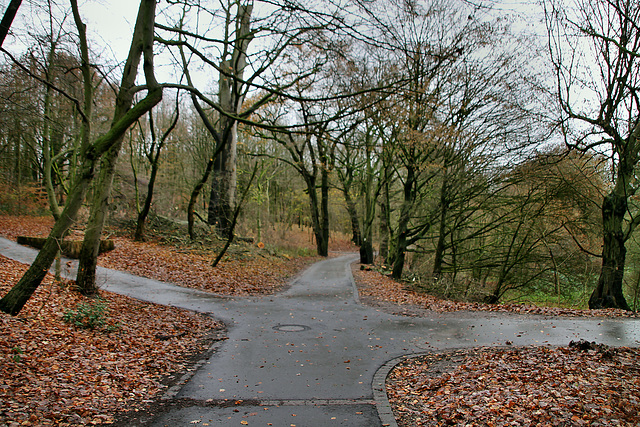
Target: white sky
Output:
[
  {"x": 110, "y": 23},
  {"x": 109, "y": 27}
]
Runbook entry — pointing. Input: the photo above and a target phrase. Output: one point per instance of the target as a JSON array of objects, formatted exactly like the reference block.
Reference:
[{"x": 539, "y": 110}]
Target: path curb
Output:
[{"x": 380, "y": 391}]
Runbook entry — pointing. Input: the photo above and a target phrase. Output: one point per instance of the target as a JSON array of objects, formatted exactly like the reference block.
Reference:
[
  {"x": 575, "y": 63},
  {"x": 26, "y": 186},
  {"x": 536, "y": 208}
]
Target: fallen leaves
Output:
[
  {"x": 518, "y": 386},
  {"x": 378, "y": 287},
  {"x": 261, "y": 275},
  {"x": 54, "y": 373},
  {"x": 13, "y": 226}
]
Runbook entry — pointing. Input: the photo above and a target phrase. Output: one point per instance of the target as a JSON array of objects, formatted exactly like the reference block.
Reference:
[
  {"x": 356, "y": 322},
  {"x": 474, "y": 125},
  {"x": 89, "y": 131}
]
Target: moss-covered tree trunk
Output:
[
  {"x": 143, "y": 36},
  {"x": 608, "y": 293},
  {"x": 402, "y": 237},
  {"x": 88, "y": 260}
]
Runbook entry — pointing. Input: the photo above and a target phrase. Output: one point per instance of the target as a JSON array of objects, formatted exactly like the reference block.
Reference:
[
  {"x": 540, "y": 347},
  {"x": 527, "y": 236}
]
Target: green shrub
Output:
[
  {"x": 17, "y": 354},
  {"x": 88, "y": 315}
]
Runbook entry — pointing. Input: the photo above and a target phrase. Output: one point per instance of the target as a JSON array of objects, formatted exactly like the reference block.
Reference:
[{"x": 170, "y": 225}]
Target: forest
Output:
[{"x": 478, "y": 152}]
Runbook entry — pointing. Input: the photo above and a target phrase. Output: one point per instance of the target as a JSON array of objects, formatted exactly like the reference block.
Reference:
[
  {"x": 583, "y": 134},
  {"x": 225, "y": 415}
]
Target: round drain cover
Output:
[{"x": 291, "y": 328}]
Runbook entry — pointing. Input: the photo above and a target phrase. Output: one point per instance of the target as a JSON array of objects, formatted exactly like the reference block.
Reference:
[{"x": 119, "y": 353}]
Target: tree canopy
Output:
[{"x": 460, "y": 152}]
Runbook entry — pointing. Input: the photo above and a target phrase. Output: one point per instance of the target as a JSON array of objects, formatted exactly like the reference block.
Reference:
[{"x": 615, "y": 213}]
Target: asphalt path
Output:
[{"x": 313, "y": 355}]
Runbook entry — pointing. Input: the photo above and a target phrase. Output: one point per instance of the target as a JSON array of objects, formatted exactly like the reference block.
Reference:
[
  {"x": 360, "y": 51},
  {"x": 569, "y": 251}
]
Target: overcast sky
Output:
[{"x": 110, "y": 24}]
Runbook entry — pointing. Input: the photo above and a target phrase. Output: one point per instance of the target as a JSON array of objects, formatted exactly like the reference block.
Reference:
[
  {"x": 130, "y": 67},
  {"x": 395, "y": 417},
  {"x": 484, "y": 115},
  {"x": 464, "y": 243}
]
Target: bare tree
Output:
[
  {"x": 241, "y": 72},
  {"x": 310, "y": 153},
  {"x": 124, "y": 116},
  {"x": 595, "y": 48},
  {"x": 427, "y": 42}
]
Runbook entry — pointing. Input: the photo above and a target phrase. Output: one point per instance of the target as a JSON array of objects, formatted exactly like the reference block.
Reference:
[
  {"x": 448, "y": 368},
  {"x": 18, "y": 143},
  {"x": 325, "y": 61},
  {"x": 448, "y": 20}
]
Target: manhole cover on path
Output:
[{"x": 291, "y": 328}]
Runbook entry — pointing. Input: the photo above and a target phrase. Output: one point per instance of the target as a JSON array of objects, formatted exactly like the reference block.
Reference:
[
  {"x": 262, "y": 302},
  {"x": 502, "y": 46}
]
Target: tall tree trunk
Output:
[
  {"x": 223, "y": 186},
  {"x": 401, "y": 241},
  {"x": 438, "y": 258},
  {"x": 356, "y": 234},
  {"x": 316, "y": 215},
  {"x": 324, "y": 192},
  {"x": 384, "y": 232},
  {"x": 222, "y": 200},
  {"x": 88, "y": 260},
  {"x": 366, "y": 241},
  {"x": 316, "y": 221},
  {"x": 142, "y": 42},
  {"x": 224, "y": 182},
  {"x": 608, "y": 292},
  {"x": 399, "y": 255}
]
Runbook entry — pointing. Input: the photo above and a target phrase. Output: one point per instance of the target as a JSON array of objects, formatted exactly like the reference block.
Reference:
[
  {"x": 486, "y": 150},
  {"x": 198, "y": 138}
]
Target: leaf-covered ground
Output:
[
  {"x": 55, "y": 373},
  {"x": 528, "y": 386},
  {"x": 532, "y": 386},
  {"x": 378, "y": 289},
  {"x": 260, "y": 275}
]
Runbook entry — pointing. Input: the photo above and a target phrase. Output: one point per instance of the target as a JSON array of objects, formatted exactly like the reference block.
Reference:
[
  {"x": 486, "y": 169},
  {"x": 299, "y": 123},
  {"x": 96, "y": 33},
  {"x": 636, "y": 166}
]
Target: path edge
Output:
[{"x": 379, "y": 387}]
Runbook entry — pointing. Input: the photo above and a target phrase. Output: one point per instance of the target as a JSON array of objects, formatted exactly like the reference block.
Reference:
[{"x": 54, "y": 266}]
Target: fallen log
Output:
[{"x": 69, "y": 248}]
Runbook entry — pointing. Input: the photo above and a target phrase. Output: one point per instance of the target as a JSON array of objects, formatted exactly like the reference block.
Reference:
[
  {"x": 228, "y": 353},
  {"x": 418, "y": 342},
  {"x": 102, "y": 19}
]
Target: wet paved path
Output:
[{"x": 308, "y": 356}]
